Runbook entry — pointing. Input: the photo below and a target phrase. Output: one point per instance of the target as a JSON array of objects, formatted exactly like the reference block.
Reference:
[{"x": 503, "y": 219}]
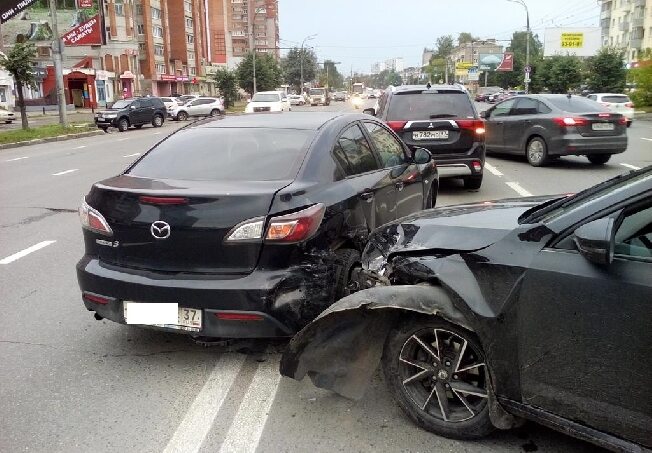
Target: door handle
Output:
[
  {"x": 499, "y": 122},
  {"x": 366, "y": 196},
  {"x": 399, "y": 185}
]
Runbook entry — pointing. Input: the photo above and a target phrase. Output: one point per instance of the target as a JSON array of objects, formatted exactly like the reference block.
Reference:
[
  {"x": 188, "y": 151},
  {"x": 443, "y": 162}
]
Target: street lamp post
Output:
[
  {"x": 58, "y": 66},
  {"x": 253, "y": 42},
  {"x": 307, "y": 38},
  {"x": 527, "y": 42}
]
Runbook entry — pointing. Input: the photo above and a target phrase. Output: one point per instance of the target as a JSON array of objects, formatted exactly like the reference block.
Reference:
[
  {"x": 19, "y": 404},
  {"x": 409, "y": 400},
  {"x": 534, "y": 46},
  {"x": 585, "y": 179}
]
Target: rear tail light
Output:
[
  {"x": 477, "y": 126},
  {"x": 236, "y": 316},
  {"x": 95, "y": 298},
  {"x": 570, "y": 121},
  {"x": 162, "y": 200},
  {"x": 92, "y": 220},
  {"x": 629, "y": 105},
  {"x": 604, "y": 115},
  {"x": 622, "y": 120},
  {"x": 477, "y": 166},
  {"x": 396, "y": 126},
  {"x": 295, "y": 227}
]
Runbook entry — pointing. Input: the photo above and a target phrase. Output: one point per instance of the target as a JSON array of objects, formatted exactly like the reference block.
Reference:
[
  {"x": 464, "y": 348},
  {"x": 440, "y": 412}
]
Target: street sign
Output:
[
  {"x": 527, "y": 69},
  {"x": 9, "y": 9},
  {"x": 473, "y": 75},
  {"x": 527, "y": 77}
]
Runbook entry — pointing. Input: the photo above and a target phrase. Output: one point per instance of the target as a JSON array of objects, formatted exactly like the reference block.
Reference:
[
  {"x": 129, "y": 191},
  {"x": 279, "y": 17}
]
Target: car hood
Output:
[
  {"x": 464, "y": 227},
  {"x": 109, "y": 111}
]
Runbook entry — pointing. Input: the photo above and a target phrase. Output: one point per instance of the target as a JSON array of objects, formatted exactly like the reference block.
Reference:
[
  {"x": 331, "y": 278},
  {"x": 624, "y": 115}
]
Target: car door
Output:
[
  {"x": 374, "y": 186},
  {"x": 516, "y": 125},
  {"x": 194, "y": 107},
  {"x": 495, "y": 124},
  {"x": 584, "y": 330},
  {"x": 405, "y": 175},
  {"x": 136, "y": 112}
]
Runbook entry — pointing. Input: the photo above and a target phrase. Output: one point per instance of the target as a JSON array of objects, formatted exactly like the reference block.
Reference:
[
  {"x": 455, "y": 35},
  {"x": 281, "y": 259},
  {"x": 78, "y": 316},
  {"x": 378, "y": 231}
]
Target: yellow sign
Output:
[
  {"x": 463, "y": 65},
  {"x": 572, "y": 40}
]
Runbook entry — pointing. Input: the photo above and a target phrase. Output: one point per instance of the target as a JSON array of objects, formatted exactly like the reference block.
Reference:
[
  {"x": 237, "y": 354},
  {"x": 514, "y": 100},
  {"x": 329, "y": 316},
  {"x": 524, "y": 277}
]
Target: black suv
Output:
[
  {"x": 132, "y": 112},
  {"x": 441, "y": 119}
]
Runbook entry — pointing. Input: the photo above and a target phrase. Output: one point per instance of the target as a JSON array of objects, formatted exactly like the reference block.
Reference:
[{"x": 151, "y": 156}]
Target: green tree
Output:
[
  {"x": 268, "y": 73},
  {"x": 516, "y": 78},
  {"x": 18, "y": 62},
  {"x": 443, "y": 50},
  {"x": 642, "y": 77},
  {"x": 466, "y": 37},
  {"x": 335, "y": 79},
  {"x": 606, "y": 72},
  {"x": 291, "y": 65},
  {"x": 561, "y": 73},
  {"x": 385, "y": 78},
  {"x": 227, "y": 82}
]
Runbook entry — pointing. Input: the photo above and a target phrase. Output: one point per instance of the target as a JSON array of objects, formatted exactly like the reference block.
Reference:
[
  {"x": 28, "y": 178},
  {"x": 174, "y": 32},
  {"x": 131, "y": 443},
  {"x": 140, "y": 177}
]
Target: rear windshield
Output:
[
  {"x": 576, "y": 104},
  {"x": 316, "y": 91},
  {"x": 213, "y": 153},
  {"x": 430, "y": 105},
  {"x": 617, "y": 99},
  {"x": 265, "y": 97}
]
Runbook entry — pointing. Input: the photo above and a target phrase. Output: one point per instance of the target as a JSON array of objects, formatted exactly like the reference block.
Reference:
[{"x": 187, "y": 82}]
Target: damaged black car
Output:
[
  {"x": 484, "y": 315},
  {"x": 247, "y": 226}
]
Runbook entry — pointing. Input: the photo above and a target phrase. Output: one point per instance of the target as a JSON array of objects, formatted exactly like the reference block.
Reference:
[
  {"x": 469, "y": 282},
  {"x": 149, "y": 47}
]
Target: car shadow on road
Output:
[{"x": 565, "y": 162}]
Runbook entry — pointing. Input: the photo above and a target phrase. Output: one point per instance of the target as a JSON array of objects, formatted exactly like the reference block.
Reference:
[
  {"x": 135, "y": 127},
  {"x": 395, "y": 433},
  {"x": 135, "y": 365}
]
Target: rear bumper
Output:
[
  {"x": 455, "y": 166},
  {"x": 577, "y": 145},
  {"x": 285, "y": 299}
]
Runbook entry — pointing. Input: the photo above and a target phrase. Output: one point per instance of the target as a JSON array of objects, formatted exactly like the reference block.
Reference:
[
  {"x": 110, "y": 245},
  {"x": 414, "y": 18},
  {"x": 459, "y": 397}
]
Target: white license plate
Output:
[
  {"x": 163, "y": 315},
  {"x": 603, "y": 126},
  {"x": 430, "y": 135}
]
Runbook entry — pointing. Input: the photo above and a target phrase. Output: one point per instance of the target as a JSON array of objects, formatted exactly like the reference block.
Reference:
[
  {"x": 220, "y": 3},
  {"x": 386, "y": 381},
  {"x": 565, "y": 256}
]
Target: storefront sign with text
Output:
[{"x": 84, "y": 34}]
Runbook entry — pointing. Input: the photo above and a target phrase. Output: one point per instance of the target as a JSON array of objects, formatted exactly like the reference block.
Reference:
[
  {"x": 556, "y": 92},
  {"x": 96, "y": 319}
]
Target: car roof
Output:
[
  {"x": 285, "y": 120},
  {"x": 269, "y": 92},
  {"x": 607, "y": 94},
  {"x": 415, "y": 88}
]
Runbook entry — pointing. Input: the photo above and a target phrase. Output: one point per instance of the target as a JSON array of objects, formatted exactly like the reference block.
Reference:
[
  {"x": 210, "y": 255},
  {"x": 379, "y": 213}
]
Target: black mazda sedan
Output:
[
  {"x": 248, "y": 226},
  {"x": 487, "y": 314}
]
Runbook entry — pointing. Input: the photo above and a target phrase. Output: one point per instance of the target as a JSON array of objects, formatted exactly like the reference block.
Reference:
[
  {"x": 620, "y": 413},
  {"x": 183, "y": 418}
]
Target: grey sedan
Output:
[{"x": 547, "y": 126}]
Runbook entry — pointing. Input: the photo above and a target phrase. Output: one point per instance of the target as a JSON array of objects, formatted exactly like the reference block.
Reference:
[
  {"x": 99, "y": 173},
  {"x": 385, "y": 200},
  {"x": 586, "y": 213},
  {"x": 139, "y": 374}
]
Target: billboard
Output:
[
  {"x": 507, "y": 63},
  {"x": 496, "y": 61},
  {"x": 10, "y": 8},
  {"x": 85, "y": 34},
  {"x": 578, "y": 41}
]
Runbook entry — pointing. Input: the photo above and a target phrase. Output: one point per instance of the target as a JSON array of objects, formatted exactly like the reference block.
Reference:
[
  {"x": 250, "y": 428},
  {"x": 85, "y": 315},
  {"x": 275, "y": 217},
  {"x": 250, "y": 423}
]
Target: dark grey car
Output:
[{"x": 547, "y": 126}]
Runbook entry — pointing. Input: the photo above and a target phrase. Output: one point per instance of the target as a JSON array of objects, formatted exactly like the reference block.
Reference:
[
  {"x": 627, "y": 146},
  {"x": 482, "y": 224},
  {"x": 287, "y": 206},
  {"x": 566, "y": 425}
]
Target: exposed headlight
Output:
[{"x": 110, "y": 115}]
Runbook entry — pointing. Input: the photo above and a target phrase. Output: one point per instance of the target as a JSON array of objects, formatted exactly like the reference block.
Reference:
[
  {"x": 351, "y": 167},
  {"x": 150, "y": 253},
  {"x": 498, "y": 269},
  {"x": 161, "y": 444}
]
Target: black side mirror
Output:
[
  {"x": 484, "y": 114},
  {"x": 422, "y": 156},
  {"x": 370, "y": 111},
  {"x": 595, "y": 240}
]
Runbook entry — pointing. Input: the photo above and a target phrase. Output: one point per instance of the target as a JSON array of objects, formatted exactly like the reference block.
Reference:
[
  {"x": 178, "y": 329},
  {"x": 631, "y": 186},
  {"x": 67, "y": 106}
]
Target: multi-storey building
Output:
[
  {"x": 252, "y": 24},
  {"x": 378, "y": 67},
  {"x": 627, "y": 25},
  {"x": 467, "y": 55},
  {"x": 395, "y": 64}
]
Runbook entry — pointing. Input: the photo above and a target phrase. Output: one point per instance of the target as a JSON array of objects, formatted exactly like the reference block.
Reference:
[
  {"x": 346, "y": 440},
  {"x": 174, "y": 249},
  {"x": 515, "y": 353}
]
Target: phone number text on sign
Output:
[{"x": 572, "y": 40}]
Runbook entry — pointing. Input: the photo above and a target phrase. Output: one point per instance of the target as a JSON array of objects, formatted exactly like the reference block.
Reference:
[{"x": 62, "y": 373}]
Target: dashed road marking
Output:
[
  {"x": 632, "y": 167},
  {"x": 65, "y": 172},
  {"x": 25, "y": 252},
  {"x": 17, "y": 158},
  {"x": 493, "y": 170},
  {"x": 123, "y": 139},
  {"x": 80, "y": 147},
  {"x": 199, "y": 419},
  {"x": 648, "y": 139},
  {"x": 132, "y": 155},
  {"x": 516, "y": 187},
  {"x": 249, "y": 422}
]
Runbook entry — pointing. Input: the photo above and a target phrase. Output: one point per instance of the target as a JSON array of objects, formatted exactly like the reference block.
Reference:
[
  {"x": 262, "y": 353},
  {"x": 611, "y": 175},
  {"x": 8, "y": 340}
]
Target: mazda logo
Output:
[{"x": 160, "y": 229}]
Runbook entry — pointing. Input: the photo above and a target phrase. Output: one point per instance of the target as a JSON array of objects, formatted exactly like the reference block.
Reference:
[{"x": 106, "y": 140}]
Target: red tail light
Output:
[
  {"x": 295, "y": 227},
  {"x": 570, "y": 121},
  {"x": 162, "y": 200},
  {"x": 622, "y": 120},
  {"x": 604, "y": 115},
  {"x": 629, "y": 105},
  {"x": 396, "y": 126},
  {"x": 95, "y": 298},
  {"x": 235, "y": 316},
  {"x": 92, "y": 220},
  {"x": 477, "y": 126}
]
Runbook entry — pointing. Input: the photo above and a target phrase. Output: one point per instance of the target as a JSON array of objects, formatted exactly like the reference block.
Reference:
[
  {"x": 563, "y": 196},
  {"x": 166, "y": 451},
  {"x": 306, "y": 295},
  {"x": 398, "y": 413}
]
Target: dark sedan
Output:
[
  {"x": 486, "y": 314},
  {"x": 546, "y": 126},
  {"x": 247, "y": 226}
]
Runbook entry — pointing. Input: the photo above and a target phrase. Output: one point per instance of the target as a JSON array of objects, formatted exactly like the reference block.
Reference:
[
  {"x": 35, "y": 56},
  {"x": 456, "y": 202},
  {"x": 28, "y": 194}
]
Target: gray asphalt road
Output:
[{"x": 73, "y": 384}]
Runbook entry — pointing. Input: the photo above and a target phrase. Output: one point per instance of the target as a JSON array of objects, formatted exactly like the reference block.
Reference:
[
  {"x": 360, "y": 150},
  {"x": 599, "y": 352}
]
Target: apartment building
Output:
[
  {"x": 467, "y": 55},
  {"x": 627, "y": 24},
  {"x": 252, "y": 24}
]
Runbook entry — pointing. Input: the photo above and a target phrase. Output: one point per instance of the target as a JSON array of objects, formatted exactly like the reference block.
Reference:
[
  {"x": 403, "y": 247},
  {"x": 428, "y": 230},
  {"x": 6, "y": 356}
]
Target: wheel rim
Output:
[
  {"x": 535, "y": 151},
  {"x": 158, "y": 121},
  {"x": 443, "y": 375},
  {"x": 124, "y": 125},
  {"x": 182, "y": 116}
]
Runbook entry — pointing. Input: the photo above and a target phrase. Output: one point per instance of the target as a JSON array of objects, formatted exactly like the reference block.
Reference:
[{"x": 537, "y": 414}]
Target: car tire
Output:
[
  {"x": 472, "y": 182},
  {"x": 436, "y": 387},
  {"x": 105, "y": 129},
  {"x": 157, "y": 121},
  {"x": 346, "y": 261},
  {"x": 599, "y": 159},
  {"x": 123, "y": 125},
  {"x": 536, "y": 152},
  {"x": 215, "y": 112},
  {"x": 629, "y": 123},
  {"x": 431, "y": 198},
  {"x": 182, "y": 116}
]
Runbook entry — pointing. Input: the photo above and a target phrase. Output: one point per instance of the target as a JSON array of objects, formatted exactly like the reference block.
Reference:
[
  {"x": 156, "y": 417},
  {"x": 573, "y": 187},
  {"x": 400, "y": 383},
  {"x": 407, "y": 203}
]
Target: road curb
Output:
[{"x": 58, "y": 138}]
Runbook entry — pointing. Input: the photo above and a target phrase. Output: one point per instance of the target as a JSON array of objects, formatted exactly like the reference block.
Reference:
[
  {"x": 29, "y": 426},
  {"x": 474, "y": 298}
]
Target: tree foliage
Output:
[
  {"x": 516, "y": 78},
  {"x": 335, "y": 79},
  {"x": 561, "y": 73},
  {"x": 465, "y": 37},
  {"x": 19, "y": 63},
  {"x": 444, "y": 46},
  {"x": 268, "y": 73},
  {"x": 291, "y": 65},
  {"x": 642, "y": 77},
  {"x": 606, "y": 72},
  {"x": 227, "y": 83}
]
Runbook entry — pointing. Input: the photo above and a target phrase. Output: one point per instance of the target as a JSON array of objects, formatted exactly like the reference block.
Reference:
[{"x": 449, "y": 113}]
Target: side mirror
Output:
[
  {"x": 484, "y": 114},
  {"x": 595, "y": 240},
  {"x": 422, "y": 156},
  {"x": 132, "y": 107},
  {"x": 370, "y": 111}
]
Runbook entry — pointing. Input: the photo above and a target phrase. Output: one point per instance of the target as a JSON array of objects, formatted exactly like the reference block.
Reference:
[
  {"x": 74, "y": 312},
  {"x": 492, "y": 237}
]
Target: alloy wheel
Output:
[
  {"x": 535, "y": 151},
  {"x": 158, "y": 121},
  {"x": 443, "y": 375}
]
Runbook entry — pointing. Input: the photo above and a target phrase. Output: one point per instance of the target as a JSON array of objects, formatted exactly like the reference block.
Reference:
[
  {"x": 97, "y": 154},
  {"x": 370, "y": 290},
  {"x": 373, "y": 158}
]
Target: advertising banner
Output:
[
  {"x": 507, "y": 63},
  {"x": 489, "y": 61},
  {"x": 85, "y": 3},
  {"x": 10, "y": 8},
  {"x": 581, "y": 41},
  {"x": 85, "y": 34}
]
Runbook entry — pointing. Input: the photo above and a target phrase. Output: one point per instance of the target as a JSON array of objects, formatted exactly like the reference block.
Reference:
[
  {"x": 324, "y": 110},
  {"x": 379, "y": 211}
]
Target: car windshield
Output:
[
  {"x": 213, "y": 153},
  {"x": 576, "y": 104},
  {"x": 430, "y": 104},
  {"x": 616, "y": 99},
  {"x": 262, "y": 97},
  {"x": 316, "y": 91},
  {"x": 121, "y": 104}
]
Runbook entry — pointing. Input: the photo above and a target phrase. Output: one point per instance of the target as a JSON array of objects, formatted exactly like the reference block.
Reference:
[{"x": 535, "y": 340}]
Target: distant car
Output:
[
  {"x": 132, "y": 112},
  {"x": 546, "y": 126},
  {"x": 181, "y": 100},
  {"x": 493, "y": 97},
  {"x": 339, "y": 96},
  {"x": 619, "y": 103},
  {"x": 7, "y": 116},
  {"x": 170, "y": 103},
  {"x": 296, "y": 99},
  {"x": 319, "y": 96},
  {"x": 357, "y": 101},
  {"x": 268, "y": 101},
  {"x": 201, "y": 106}
]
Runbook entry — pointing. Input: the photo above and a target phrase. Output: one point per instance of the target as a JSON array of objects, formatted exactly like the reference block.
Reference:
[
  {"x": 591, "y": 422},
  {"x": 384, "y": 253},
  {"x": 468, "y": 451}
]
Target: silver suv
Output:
[{"x": 202, "y": 106}]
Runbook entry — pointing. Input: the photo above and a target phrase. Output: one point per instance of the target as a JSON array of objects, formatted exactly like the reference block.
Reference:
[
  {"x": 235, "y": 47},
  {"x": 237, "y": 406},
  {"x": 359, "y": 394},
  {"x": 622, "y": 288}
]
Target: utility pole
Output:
[
  {"x": 527, "y": 42},
  {"x": 58, "y": 65},
  {"x": 252, "y": 41},
  {"x": 307, "y": 38}
]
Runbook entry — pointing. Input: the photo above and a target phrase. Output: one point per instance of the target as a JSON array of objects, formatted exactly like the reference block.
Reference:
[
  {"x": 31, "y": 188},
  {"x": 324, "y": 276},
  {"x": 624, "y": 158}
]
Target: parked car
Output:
[
  {"x": 339, "y": 96},
  {"x": 268, "y": 101},
  {"x": 7, "y": 116},
  {"x": 546, "y": 126},
  {"x": 185, "y": 98},
  {"x": 251, "y": 224},
  {"x": 319, "y": 96},
  {"x": 484, "y": 314},
  {"x": 484, "y": 93},
  {"x": 297, "y": 99},
  {"x": 619, "y": 103},
  {"x": 201, "y": 106},
  {"x": 170, "y": 103},
  {"x": 132, "y": 112},
  {"x": 493, "y": 97},
  {"x": 443, "y": 120}
]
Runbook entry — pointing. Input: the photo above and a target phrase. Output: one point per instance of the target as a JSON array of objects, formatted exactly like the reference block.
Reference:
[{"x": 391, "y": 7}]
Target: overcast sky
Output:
[{"x": 361, "y": 32}]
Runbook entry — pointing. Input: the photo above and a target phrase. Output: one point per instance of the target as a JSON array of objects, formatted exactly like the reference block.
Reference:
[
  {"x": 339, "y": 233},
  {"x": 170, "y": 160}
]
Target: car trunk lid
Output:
[{"x": 600, "y": 124}]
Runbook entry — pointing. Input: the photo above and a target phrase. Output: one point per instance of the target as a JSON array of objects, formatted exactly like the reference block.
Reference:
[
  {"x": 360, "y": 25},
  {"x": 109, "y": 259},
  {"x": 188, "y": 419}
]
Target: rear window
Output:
[
  {"x": 618, "y": 99},
  {"x": 430, "y": 105},
  {"x": 258, "y": 97},
  {"x": 214, "y": 154},
  {"x": 316, "y": 91},
  {"x": 576, "y": 104}
]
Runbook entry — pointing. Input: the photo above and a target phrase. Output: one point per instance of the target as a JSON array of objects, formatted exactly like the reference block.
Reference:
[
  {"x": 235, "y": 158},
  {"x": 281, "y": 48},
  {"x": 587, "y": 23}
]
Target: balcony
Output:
[
  {"x": 238, "y": 34},
  {"x": 605, "y": 14},
  {"x": 635, "y": 43},
  {"x": 623, "y": 26},
  {"x": 638, "y": 3},
  {"x": 638, "y": 22}
]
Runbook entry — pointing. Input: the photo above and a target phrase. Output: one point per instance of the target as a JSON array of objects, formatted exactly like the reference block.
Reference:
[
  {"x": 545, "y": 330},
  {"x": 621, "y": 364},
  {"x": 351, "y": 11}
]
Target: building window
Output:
[
  {"x": 189, "y": 23},
  {"x": 190, "y": 39},
  {"x": 160, "y": 68},
  {"x": 193, "y": 70},
  {"x": 157, "y": 31},
  {"x": 140, "y": 28},
  {"x": 156, "y": 13},
  {"x": 142, "y": 48},
  {"x": 191, "y": 56},
  {"x": 139, "y": 9},
  {"x": 187, "y": 6},
  {"x": 158, "y": 50},
  {"x": 3, "y": 94},
  {"x": 119, "y": 9}
]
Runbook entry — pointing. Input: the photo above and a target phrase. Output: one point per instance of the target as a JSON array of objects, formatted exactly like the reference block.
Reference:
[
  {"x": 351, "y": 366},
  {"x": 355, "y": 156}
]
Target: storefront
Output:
[
  {"x": 127, "y": 79},
  {"x": 7, "y": 101},
  {"x": 104, "y": 86}
]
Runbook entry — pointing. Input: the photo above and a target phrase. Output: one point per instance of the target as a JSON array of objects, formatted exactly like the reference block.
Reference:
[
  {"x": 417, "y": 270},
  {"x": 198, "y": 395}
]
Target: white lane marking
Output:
[
  {"x": 27, "y": 251},
  {"x": 492, "y": 169},
  {"x": 123, "y": 139},
  {"x": 65, "y": 172},
  {"x": 248, "y": 423},
  {"x": 633, "y": 167},
  {"x": 518, "y": 189},
  {"x": 197, "y": 422},
  {"x": 132, "y": 155},
  {"x": 156, "y": 133},
  {"x": 80, "y": 147},
  {"x": 648, "y": 139},
  {"x": 17, "y": 158}
]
